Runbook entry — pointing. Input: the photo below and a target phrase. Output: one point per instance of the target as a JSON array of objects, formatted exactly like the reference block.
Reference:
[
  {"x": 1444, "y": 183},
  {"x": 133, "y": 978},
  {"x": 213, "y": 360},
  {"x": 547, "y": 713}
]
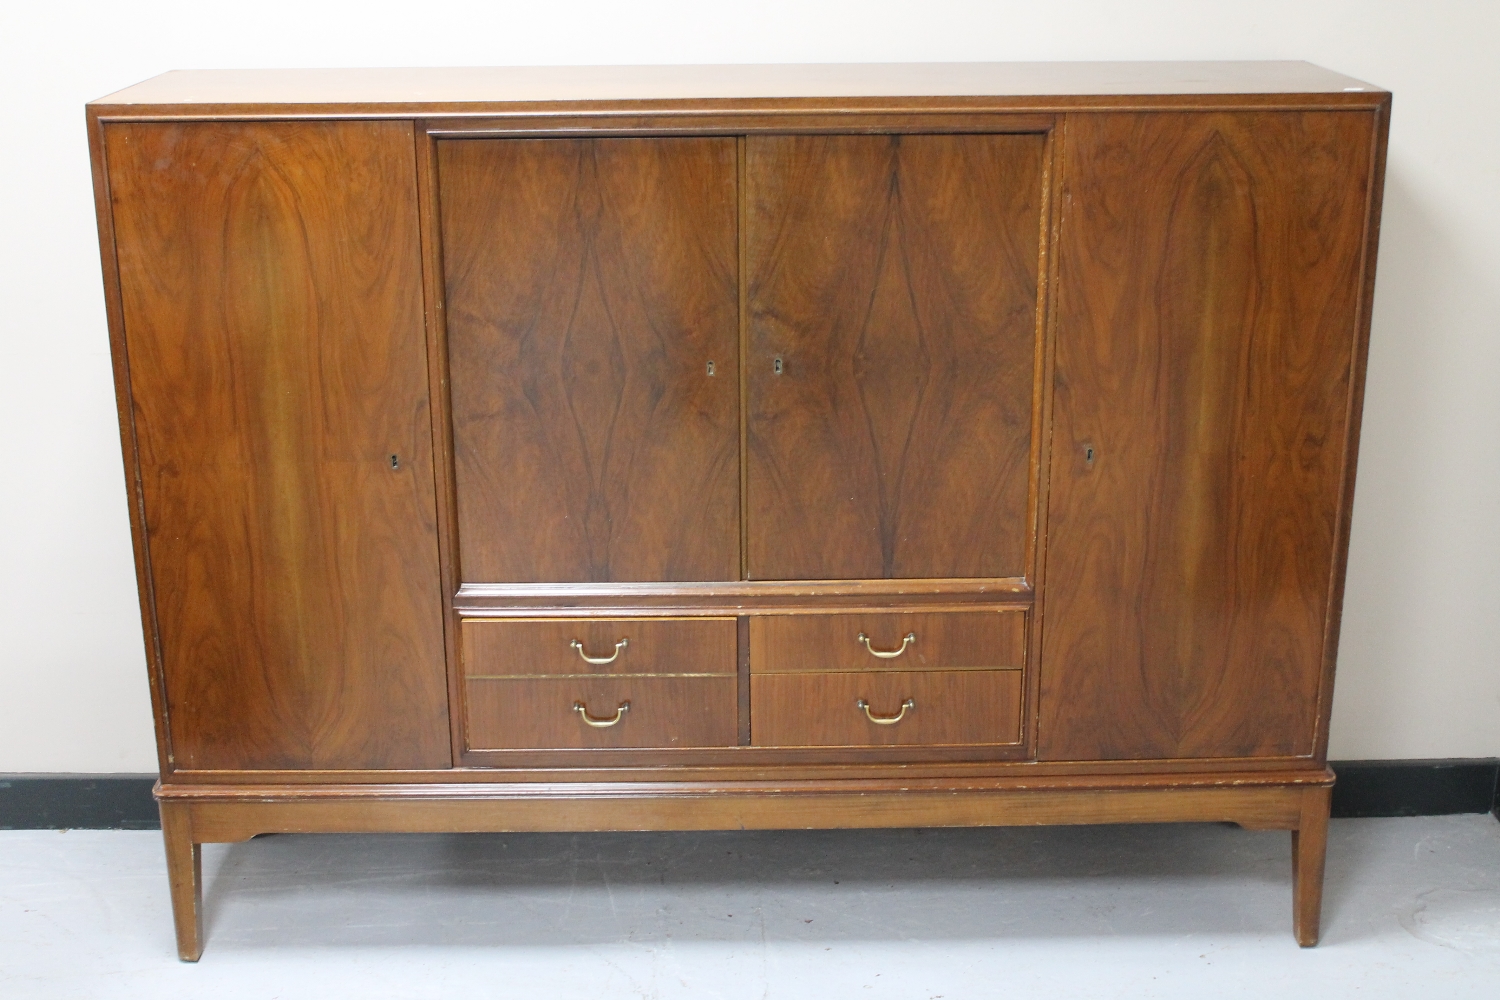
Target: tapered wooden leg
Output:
[
  {"x": 185, "y": 872},
  {"x": 1309, "y": 848}
]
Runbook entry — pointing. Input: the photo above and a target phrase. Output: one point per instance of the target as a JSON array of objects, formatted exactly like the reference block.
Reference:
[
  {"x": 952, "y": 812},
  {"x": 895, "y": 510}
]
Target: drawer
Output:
[
  {"x": 939, "y": 641},
  {"x": 935, "y": 707},
  {"x": 530, "y": 713},
  {"x": 570, "y": 647}
]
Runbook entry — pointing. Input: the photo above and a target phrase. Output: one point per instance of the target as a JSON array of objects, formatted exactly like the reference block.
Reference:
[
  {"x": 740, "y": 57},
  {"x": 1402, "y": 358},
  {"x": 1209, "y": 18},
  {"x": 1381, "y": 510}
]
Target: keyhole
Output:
[
  {"x": 395, "y": 461},
  {"x": 710, "y": 369},
  {"x": 1088, "y": 455},
  {"x": 777, "y": 366}
]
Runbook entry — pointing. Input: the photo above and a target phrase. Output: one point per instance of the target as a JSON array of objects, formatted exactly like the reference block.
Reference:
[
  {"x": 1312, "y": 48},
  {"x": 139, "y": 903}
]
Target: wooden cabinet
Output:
[{"x": 744, "y": 448}]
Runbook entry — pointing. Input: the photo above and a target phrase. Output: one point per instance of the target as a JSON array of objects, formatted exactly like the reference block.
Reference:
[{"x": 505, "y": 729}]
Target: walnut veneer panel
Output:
[
  {"x": 663, "y": 712},
  {"x": 787, "y": 643},
  {"x": 633, "y": 646},
  {"x": 270, "y": 282},
  {"x": 1211, "y": 272},
  {"x": 895, "y": 277},
  {"x": 947, "y": 708},
  {"x": 589, "y": 285}
]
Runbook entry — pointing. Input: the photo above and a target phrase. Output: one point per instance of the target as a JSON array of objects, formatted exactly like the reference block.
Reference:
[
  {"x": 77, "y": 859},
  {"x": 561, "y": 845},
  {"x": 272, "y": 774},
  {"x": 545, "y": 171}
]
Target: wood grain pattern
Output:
[
  {"x": 655, "y": 646},
  {"x": 219, "y": 814},
  {"x": 229, "y": 815},
  {"x": 1376, "y": 194},
  {"x": 951, "y": 707},
  {"x": 1309, "y": 852},
  {"x": 792, "y": 643},
  {"x": 896, "y": 773},
  {"x": 305, "y": 90},
  {"x": 742, "y": 679},
  {"x": 435, "y": 317},
  {"x": 124, "y": 414},
  {"x": 625, "y": 600},
  {"x": 184, "y": 876},
  {"x": 665, "y": 712},
  {"x": 1209, "y": 312},
  {"x": 896, "y": 278},
  {"x": 272, "y": 307},
  {"x": 1208, "y": 306},
  {"x": 589, "y": 285}
]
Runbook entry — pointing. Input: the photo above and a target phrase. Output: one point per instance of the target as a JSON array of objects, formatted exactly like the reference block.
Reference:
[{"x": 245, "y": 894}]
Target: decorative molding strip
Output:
[{"x": 1364, "y": 788}]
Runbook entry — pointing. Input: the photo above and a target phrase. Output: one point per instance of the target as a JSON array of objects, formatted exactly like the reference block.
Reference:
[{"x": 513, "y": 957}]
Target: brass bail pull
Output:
[
  {"x": 599, "y": 661},
  {"x": 597, "y": 723},
  {"x": 888, "y": 654},
  {"x": 886, "y": 720}
]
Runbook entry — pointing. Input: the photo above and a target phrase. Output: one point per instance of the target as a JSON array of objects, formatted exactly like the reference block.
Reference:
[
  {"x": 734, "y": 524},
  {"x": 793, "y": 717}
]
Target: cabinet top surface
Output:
[{"x": 1076, "y": 83}]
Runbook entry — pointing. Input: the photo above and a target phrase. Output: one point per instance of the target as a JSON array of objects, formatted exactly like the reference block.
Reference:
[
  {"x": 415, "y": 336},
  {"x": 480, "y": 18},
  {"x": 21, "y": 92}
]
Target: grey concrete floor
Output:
[{"x": 1412, "y": 909}]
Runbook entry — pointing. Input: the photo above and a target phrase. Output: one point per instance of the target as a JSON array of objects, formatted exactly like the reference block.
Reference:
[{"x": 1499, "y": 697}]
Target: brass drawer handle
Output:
[
  {"x": 888, "y": 654},
  {"x": 599, "y": 661},
  {"x": 885, "y": 720},
  {"x": 589, "y": 720}
]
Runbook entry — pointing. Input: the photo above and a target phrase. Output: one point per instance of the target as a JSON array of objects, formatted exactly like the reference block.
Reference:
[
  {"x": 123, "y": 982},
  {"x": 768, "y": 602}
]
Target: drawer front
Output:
[
  {"x": 512, "y": 713},
  {"x": 939, "y": 641},
  {"x": 941, "y": 707},
  {"x": 565, "y": 647}
]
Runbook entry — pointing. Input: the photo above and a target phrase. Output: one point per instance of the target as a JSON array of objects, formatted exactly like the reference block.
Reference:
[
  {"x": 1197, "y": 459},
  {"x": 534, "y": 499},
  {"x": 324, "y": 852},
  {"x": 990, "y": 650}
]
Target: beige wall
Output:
[{"x": 1418, "y": 673}]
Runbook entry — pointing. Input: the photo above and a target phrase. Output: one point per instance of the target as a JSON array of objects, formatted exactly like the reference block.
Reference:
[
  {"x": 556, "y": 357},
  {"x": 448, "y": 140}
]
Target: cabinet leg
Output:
[
  {"x": 1309, "y": 848},
  {"x": 185, "y": 873}
]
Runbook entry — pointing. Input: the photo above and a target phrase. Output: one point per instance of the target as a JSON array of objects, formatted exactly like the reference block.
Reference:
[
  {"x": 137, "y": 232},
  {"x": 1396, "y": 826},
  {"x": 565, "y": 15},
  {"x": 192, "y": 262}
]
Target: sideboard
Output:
[{"x": 691, "y": 448}]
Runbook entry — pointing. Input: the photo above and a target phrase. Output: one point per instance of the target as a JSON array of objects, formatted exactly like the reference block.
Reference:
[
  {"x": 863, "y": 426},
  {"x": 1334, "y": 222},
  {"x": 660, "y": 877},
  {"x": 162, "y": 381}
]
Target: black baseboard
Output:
[
  {"x": 1364, "y": 788},
  {"x": 78, "y": 802},
  {"x": 1415, "y": 787}
]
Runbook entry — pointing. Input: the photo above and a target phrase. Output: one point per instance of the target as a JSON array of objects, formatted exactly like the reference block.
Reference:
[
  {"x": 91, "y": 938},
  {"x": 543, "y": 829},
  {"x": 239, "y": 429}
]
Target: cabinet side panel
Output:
[
  {"x": 891, "y": 328},
  {"x": 121, "y": 371},
  {"x": 592, "y": 335},
  {"x": 1207, "y": 318},
  {"x": 271, "y": 284}
]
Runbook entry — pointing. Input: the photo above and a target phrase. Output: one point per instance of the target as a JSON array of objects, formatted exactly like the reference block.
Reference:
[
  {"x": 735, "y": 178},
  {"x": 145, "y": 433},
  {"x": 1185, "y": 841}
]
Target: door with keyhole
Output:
[
  {"x": 892, "y": 313},
  {"x": 271, "y": 283},
  {"x": 592, "y": 318},
  {"x": 1208, "y": 307}
]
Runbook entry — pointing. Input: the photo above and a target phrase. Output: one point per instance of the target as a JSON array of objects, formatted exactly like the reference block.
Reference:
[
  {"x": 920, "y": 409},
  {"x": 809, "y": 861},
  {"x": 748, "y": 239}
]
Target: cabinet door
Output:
[
  {"x": 271, "y": 283},
  {"x": 593, "y": 318},
  {"x": 1211, "y": 268},
  {"x": 892, "y": 309}
]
